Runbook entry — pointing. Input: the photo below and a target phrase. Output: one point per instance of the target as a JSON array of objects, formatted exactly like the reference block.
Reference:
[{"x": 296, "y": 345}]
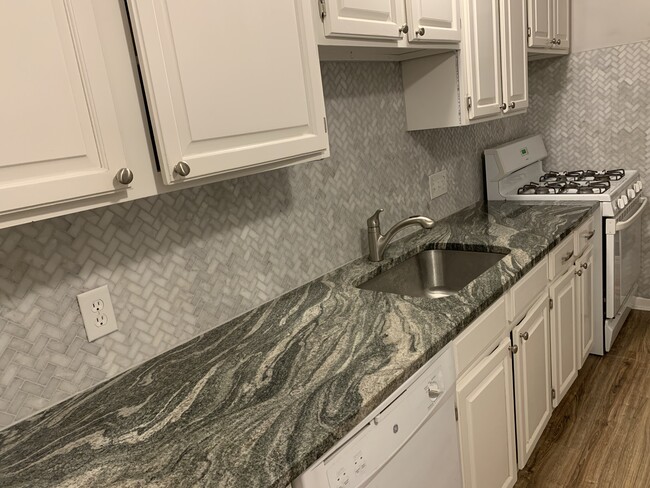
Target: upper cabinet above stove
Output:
[
  {"x": 389, "y": 30},
  {"x": 231, "y": 86},
  {"x": 549, "y": 24},
  {"x": 486, "y": 79}
]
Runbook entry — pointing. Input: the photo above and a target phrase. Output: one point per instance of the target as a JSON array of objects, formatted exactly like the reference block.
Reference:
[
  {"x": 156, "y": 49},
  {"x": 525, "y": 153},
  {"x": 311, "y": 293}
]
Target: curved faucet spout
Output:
[{"x": 377, "y": 242}]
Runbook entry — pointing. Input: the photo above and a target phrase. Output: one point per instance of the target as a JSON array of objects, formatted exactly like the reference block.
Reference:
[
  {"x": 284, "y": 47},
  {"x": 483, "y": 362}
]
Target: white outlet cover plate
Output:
[
  {"x": 93, "y": 319},
  {"x": 438, "y": 184}
]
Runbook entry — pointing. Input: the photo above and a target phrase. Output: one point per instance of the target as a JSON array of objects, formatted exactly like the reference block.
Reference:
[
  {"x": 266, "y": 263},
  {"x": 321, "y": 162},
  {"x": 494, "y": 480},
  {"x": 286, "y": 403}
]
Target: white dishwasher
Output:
[{"x": 410, "y": 441}]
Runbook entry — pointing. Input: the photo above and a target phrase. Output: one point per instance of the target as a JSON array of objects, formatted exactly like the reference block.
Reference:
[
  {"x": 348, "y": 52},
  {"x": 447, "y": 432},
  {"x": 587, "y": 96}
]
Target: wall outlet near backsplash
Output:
[
  {"x": 438, "y": 184},
  {"x": 97, "y": 312}
]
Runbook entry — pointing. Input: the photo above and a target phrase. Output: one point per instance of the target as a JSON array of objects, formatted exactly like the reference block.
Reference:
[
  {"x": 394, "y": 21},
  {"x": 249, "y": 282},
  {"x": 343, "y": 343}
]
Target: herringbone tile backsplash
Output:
[
  {"x": 593, "y": 110},
  {"x": 182, "y": 263}
]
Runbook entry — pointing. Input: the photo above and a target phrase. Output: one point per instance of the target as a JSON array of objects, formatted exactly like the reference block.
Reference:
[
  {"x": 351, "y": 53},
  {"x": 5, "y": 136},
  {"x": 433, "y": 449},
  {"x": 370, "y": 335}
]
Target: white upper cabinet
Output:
[
  {"x": 59, "y": 133},
  {"x": 483, "y": 53},
  {"x": 362, "y": 18},
  {"x": 540, "y": 22},
  {"x": 549, "y": 24},
  {"x": 514, "y": 61},
  {"x": 433, "y": 20},
  {"x": 562, "y": 17},
  {"x": 230, "y": 85}
]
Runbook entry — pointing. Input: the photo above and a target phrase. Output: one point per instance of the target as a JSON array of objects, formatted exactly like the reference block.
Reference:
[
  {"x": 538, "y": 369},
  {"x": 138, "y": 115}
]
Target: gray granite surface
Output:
[{"x": 254, "y": 402}]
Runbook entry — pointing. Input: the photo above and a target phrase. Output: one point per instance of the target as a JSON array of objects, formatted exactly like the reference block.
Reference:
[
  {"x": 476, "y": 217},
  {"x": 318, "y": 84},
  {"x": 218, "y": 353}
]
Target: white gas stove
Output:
[{"x": 514, "y": 171}]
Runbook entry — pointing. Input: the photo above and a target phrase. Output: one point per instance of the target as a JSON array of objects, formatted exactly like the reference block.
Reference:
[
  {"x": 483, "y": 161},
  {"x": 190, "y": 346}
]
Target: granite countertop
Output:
[{"x": 256, "y": 401}]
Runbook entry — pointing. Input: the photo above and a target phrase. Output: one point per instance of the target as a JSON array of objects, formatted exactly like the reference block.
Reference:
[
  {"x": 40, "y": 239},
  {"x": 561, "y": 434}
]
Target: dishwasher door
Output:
[{"x": 411, "y": 442}]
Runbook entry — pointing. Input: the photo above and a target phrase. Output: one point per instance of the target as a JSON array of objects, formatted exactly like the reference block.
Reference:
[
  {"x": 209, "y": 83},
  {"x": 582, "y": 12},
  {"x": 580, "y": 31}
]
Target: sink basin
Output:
[{"x": 434, "y": 274}]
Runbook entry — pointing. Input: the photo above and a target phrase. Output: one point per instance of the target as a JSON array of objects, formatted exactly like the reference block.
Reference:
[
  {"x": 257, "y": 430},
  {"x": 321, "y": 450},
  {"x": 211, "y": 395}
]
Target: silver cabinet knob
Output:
[
  {"x": 553, "y": 41},
  {"x": 404, "y": 29},
  {"x": 433, "y": 390},
  {"x": 585, "y": 265},
  {"x": 513, "y": 349},
  {"x": 512, "y": 105},
  {"x": 182, "y": 168},
  {"x": 524, "y": 335},
  {"x": 420, "y": 31},
  {"x": 558, "y": 41},
  {"x": 124, "y": 176},
  {"x": 503, "y": 106},
  {"x": 579, "y": 272}
]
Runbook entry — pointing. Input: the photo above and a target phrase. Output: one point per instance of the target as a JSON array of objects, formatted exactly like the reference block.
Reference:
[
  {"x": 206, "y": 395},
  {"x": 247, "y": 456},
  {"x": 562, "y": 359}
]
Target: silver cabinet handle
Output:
[
  {"x": 512, "y": 105},
  {"x": 420, "y": 31},
  {"x": 513, "y": 349},
  {"x": 182, "y": 168},
  {"x": 584, "y": 265},
  {"x": 524, "y": 335},
  {"x": 124, "y": 176},
  {"x": 404, "y": 29},
  {"x": 567, "y": 257},
  {"x": 503, "y": 106},
  {"x": 579, "y": 272}
]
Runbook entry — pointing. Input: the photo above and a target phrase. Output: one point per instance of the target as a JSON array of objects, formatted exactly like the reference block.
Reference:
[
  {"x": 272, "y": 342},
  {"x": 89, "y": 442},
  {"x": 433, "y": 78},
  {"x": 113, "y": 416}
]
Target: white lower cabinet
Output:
[
  {"x": 564, "y": 333},
  {"x": 585, "y": 292},
  {"x": 486, "y": 421},
  {"x": 532, "y": 367}
]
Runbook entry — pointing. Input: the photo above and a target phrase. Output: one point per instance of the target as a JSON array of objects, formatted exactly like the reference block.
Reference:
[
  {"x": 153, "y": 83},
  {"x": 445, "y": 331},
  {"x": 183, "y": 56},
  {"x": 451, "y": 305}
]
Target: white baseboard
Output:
[{"x": 639, "y": 303}]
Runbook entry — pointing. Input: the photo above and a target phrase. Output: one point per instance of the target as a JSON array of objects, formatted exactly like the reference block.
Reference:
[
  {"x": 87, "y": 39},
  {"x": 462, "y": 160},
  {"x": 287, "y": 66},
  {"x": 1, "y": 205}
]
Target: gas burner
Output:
[
  {"x": 583, "y": 175},
  {"x": 565, "y": 187}
]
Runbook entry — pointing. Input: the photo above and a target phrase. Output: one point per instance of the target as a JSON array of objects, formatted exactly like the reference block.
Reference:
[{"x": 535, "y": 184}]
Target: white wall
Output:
[{"x": 602, "y": 23}]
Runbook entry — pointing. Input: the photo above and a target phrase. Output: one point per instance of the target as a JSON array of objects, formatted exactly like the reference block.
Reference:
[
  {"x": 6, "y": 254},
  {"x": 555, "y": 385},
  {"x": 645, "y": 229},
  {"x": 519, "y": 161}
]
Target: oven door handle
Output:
[{"x": 626, "y": 223}]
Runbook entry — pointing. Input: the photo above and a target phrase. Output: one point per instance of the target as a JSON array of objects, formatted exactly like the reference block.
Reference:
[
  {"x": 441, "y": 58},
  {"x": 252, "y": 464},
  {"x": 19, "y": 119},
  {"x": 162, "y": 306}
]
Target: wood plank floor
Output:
[{"x": 599, "y": 436}]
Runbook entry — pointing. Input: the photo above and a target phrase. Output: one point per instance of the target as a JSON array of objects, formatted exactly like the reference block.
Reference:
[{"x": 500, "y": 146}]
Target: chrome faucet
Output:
[{"x": 377, "y": 242}]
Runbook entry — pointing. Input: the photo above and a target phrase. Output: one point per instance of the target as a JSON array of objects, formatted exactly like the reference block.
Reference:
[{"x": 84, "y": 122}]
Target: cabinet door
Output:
[
  {"x": 230, "y": 85},
  {"x": 562, "y": 23},
  {"x": 586, "y": 320},
  {"x": 564, "y": 334},
  {"x": 59, "y": 135},
  {"x": 437, "y": 18},
  {"x": 379, "y": 19},
  {"x": 514, "y": 60},
  {"x": 484, "y": 58},
  {"x": 487, "y": 423},
  {"x": 532, "y": 377},
  {"x": 540, "y": 22}
]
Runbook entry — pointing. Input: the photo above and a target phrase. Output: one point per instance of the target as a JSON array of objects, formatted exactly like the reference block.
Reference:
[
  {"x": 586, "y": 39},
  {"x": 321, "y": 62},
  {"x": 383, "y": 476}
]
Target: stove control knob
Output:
[
  {"x": 614, "y": 205},
  {"x": 625, "y": 199},
  {"x": 637, "y": 186},
  {"x": 640, "y": 183},
  {"x": 631, "y": 193},
  {"x": 621, "y": 202}
]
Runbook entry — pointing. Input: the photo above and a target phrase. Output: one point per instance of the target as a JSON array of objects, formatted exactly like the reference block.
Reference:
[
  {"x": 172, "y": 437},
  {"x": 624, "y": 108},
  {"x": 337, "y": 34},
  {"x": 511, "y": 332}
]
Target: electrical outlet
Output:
[
  {"x": 97, "y": 312},
  {"x": 438, "y": 184}
]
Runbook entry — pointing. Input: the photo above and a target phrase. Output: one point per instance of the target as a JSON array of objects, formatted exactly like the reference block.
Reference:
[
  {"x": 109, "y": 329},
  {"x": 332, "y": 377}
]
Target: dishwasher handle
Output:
[{"x": 626, "y": 223}]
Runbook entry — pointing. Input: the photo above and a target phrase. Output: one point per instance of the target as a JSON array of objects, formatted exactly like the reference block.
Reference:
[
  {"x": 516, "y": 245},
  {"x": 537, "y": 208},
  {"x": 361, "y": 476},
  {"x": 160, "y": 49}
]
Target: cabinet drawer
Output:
[
  {"x": 584, "y": 236},
  {"x": 561, "y": 258},
  {"x": 485, "y": 332},
  {"x": 522, "y": 295}
]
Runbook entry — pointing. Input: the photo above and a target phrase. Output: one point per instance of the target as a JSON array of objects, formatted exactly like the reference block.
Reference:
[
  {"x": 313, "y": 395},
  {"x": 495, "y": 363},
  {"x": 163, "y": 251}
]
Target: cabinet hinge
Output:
[
  {"x": 530, "y": 33},
  {"x": 469, "y": 103},
  {"x": 456, "y": 412},
  {"x": 553, "y": 393},
  {"x": 325, "y": 124},
  {"x": 321, "y": 9},
  {"x": 550, "y": 303}
]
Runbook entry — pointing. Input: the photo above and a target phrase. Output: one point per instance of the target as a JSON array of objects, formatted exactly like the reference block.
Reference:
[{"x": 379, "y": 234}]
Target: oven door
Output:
[{"x": 622, "y": 255}]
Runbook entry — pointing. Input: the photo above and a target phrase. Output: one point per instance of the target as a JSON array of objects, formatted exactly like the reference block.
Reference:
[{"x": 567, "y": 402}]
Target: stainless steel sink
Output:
[{"x": 433, "y": 274}]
